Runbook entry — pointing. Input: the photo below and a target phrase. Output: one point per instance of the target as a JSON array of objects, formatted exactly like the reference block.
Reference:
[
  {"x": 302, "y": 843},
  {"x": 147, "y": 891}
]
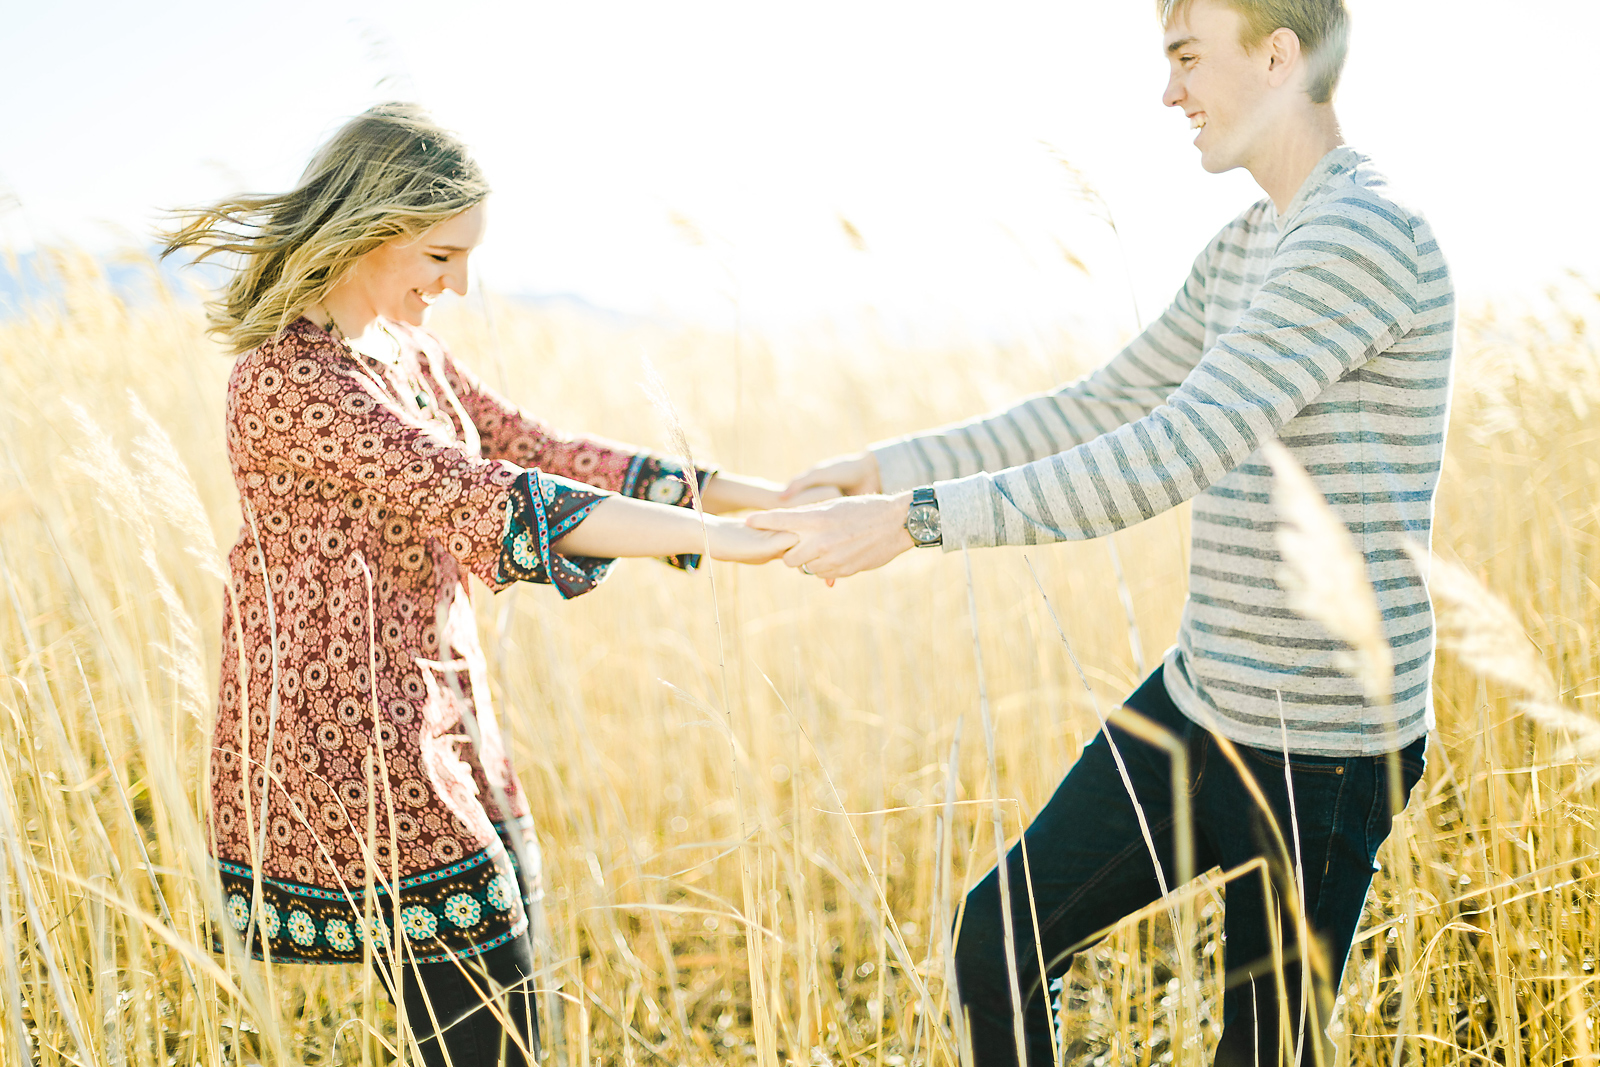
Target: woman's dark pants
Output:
[
  {"x": 472, "y": 1033},
  {"x": 1090, "y": 867}
]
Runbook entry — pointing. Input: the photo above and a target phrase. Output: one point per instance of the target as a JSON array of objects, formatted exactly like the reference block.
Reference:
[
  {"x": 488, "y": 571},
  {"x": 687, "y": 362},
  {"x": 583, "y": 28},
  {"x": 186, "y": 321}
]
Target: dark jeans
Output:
[{"x": 1090, "y": 867}]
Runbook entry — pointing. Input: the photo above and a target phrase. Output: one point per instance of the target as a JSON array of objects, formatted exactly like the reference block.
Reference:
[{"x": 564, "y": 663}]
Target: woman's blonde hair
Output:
[{"x": 389, "y": 172}]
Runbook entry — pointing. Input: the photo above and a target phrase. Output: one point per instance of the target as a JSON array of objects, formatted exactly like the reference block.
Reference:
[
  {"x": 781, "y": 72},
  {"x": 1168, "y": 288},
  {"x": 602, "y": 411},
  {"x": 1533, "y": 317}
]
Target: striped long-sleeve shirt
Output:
[{"x": 1329, "y": 327}]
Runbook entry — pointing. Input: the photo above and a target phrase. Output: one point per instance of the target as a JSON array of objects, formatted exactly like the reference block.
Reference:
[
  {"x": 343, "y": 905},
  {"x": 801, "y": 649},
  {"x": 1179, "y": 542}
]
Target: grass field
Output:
[{"x": 760, "y": 799}]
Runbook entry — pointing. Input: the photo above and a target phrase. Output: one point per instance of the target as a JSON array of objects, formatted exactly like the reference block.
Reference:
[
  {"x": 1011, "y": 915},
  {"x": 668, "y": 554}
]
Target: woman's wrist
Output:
[{"x": 622, "y": 526}]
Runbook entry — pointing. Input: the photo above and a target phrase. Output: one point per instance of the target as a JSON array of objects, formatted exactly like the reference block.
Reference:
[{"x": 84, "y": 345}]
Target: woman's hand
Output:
[
  {"x": 852, "y": 475},
  {"x": 734, "y": 542}
]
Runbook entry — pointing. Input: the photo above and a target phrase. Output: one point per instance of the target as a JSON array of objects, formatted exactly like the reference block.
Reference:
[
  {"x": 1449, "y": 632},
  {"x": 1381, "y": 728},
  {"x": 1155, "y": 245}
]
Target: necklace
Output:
[
  {"x": 390, "y": 358},
  {"x": 398, "y": 377}
]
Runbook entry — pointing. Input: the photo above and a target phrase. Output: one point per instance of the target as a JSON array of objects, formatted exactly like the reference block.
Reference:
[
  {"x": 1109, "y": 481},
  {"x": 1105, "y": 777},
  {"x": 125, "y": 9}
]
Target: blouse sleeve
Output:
[
  {"x": 506, "y": 432},
  {"x": 544, "y": 509}
]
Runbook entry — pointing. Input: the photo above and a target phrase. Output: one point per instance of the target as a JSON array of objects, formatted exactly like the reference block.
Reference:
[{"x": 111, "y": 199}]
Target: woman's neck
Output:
[
  {"x": 356, "y": 324},
  {"x": 352, "y": 319}
]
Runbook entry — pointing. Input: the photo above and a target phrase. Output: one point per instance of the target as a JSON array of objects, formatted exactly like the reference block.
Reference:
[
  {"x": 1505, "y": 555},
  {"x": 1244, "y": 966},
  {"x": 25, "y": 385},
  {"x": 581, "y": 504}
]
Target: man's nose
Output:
[{"x": 1173, "y": 96}]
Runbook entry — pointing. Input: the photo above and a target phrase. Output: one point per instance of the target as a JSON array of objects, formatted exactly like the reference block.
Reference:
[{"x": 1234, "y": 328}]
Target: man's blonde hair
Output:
[
  {"x": 1323, "y": 27},
  {"x": 389, "y": 172}
]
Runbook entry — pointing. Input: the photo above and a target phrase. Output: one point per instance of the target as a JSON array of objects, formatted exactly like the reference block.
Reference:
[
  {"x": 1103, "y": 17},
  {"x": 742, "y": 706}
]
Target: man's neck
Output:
[{"x": 1296, "y": 148}]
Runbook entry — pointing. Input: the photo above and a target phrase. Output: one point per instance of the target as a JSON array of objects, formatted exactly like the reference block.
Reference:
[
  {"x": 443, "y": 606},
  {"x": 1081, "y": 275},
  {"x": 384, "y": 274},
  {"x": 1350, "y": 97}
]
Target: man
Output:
[{"x": 1323, "y": 317}]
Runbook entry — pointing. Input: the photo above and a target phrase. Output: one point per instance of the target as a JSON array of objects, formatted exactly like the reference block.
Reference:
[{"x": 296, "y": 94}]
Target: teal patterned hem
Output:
[
  {"x": 544, "y": 509},
  {"x": 453, "y": 912}
]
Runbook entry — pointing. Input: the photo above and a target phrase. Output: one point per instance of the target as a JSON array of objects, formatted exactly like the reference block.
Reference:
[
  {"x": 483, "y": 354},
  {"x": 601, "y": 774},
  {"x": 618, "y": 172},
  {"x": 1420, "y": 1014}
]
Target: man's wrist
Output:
[
  {"x": 901, "y": 508},
  {"x": 871, "y": 474}
]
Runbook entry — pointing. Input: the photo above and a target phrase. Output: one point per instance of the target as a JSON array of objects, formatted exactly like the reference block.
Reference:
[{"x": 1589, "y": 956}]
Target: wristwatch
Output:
[{"x": 922, "y": 521}]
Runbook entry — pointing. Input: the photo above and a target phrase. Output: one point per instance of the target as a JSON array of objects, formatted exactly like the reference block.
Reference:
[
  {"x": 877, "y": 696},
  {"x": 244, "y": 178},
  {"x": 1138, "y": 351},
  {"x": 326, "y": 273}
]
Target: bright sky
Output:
[{"x": 924, "y": 124}]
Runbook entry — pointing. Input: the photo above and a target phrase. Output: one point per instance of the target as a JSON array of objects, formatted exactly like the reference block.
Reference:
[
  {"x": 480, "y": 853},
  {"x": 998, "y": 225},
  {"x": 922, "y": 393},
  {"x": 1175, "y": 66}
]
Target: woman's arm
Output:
[
  {"x": 619, "y": 526},
  {"x": 736, "y": 492}
]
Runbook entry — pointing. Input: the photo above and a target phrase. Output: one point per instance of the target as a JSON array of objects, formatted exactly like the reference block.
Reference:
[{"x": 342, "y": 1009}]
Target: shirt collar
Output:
[{"x": 1339, "y": 161}]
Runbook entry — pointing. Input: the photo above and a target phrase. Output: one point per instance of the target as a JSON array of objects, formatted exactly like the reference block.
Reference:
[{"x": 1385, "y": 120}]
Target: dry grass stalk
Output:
[{"x": 1325, "y": 576}]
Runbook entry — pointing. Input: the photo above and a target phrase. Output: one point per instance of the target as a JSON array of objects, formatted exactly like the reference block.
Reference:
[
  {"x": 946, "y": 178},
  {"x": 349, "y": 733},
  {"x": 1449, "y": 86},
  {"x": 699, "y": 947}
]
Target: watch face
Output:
[{"x": 923, "y": 524}]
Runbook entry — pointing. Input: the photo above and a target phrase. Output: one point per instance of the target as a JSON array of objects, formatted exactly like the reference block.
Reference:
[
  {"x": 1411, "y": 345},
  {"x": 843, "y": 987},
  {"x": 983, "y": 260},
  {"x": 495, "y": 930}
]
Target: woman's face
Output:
[{"x": 400, "y": 278}]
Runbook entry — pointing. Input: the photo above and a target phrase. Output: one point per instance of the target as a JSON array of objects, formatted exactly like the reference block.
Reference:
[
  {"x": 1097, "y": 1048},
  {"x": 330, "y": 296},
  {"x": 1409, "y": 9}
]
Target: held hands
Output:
[
  {"x": 852, "y": 475},
  {"x": 839, "y": 539},
  {"x": 734, "y": 542}
]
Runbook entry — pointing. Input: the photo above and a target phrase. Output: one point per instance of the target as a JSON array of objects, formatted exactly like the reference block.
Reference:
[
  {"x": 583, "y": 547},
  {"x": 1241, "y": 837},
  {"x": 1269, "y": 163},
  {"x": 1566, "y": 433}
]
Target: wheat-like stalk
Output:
[{"x": 1325, "y": 576}]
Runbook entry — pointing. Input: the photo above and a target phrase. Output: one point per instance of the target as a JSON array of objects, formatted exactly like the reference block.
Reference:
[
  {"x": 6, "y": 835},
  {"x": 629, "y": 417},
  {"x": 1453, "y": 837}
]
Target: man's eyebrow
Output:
[{"x": 1181, "y": 42}]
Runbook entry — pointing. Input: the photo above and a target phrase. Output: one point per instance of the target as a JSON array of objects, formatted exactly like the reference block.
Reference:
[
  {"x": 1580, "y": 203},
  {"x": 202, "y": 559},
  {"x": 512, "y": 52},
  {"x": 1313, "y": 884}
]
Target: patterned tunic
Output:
[{"x": 353, "y": 686}]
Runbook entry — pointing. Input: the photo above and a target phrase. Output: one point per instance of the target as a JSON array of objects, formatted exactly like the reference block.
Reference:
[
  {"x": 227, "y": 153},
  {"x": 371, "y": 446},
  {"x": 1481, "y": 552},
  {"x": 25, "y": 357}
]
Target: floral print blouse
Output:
[{"x": 356, "y": 754}]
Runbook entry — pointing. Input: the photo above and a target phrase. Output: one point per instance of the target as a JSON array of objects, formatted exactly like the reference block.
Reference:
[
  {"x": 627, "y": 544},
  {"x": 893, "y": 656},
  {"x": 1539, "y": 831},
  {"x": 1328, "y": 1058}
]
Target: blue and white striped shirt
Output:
[{"x": 1331, "y": 328}]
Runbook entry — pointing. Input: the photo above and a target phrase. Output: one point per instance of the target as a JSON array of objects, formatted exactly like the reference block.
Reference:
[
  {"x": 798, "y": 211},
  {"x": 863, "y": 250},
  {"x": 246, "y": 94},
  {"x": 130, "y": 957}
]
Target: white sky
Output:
[{"x": 922, "y": 123}]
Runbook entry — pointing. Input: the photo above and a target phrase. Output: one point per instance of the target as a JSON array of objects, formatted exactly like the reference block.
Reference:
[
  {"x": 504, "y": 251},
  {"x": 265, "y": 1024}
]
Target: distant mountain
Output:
[{"x": 32, "y": 277}]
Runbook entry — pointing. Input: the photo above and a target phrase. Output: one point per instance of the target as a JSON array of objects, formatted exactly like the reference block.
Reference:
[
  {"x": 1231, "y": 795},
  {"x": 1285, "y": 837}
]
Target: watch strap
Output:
[{"x": 924, "y": 497}]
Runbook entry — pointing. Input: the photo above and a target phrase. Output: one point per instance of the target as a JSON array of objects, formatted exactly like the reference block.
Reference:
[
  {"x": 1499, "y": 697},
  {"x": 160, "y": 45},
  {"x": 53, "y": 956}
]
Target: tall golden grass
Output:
[{"x": 760, "y": 814}]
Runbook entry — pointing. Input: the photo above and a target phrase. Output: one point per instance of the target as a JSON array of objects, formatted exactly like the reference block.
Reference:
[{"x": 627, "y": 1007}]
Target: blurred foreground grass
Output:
[{"x": 850, "y": 727}]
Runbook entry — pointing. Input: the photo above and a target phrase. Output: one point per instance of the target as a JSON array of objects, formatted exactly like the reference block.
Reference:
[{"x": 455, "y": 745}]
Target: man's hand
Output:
[
  {"x": 839, "y": 539},
  {"x": 854, "y": 475}
]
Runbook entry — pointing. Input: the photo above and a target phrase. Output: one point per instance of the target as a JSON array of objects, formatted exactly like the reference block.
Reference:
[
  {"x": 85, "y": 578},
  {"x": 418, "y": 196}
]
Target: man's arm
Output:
[
  {"x": 1333, "y": 298},
  {"x": 1134, "y": 382}
]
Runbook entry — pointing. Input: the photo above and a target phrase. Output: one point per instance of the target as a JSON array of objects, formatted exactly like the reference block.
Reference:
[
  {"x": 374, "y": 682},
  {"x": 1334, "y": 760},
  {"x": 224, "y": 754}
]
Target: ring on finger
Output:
[{"x": 805, "y": 568}]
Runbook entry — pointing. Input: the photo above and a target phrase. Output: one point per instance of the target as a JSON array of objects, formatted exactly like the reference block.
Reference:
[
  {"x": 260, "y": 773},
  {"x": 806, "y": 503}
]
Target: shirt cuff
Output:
[
  {"x": 544, "y": 509},
  {"x": 967, "y": 513}
]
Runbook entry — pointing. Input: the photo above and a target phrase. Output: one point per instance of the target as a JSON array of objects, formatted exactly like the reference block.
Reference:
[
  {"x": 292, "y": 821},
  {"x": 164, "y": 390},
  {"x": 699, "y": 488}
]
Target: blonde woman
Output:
[{"x": 352, "y": 822}]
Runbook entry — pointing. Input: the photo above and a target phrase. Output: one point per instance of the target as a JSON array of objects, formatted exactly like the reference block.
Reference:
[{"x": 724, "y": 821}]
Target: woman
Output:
[{"x": 352, "y": 821}]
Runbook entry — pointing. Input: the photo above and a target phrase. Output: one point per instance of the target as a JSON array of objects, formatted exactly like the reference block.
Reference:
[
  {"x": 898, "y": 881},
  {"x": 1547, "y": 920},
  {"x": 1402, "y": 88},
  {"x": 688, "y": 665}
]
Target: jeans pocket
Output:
[{"x": 1297, "y": 763}]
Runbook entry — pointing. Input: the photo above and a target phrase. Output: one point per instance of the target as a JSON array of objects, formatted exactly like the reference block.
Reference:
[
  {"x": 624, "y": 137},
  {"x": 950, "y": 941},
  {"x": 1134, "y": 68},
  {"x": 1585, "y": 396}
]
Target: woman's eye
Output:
[{"x": 438, "y": 258}]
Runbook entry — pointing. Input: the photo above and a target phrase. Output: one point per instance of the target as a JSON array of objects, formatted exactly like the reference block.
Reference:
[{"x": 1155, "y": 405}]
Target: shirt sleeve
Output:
[
  {"x": 1333, "y": 298},
  {"x": 1135, "y": 382}
]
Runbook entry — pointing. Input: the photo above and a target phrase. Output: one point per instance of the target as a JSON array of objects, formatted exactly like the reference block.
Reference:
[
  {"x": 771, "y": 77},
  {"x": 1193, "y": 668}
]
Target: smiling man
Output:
[{"x": 1322, "y": 317}]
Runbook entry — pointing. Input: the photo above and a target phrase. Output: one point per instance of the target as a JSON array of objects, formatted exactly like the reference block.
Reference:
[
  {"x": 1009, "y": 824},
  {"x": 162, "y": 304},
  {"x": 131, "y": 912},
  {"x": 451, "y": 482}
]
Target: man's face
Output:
[{"x": 1222, "y": 88}]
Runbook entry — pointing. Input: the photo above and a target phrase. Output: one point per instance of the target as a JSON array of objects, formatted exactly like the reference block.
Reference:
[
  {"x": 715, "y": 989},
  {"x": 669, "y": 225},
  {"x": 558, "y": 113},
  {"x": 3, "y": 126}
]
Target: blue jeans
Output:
[{"x": 1090, "y": 867}]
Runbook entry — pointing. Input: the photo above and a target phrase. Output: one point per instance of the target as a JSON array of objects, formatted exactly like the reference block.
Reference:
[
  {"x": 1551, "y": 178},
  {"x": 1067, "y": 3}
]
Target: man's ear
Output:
[{"x": 1283, "y": 55}]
